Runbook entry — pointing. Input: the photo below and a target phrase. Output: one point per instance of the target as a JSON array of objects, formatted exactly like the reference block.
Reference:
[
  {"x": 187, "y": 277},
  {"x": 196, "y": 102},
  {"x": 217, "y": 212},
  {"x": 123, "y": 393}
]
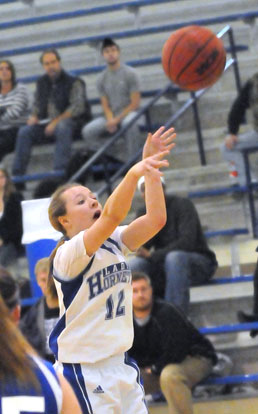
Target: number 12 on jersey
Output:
[{"x": 110, "y": 305}]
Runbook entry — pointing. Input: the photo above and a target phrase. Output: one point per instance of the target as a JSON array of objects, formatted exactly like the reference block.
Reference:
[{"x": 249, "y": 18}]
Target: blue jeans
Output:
[
  {"x": 182, "y": 270},
  {"x": 34, "y": 134},
  {"x": 95, "y": 132}
]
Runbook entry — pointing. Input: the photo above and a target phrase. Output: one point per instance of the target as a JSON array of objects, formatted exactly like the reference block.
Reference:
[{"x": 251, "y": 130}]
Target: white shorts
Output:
[{"x": 111, "y": 386}]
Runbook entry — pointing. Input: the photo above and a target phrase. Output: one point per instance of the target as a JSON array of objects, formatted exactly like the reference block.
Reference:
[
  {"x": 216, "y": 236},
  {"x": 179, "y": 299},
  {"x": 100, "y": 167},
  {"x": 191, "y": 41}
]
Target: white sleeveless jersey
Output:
[{"x": 95, "y": 298}]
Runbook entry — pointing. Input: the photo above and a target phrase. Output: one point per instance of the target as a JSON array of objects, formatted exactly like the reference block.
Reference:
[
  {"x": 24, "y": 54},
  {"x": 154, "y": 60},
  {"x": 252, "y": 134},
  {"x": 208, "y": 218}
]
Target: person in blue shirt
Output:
[{"x": 27, "y": 382}]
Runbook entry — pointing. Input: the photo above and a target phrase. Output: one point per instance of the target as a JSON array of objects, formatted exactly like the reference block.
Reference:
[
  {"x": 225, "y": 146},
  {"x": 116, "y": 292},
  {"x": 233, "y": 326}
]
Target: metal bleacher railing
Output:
[{"x": 191, "y": 102}]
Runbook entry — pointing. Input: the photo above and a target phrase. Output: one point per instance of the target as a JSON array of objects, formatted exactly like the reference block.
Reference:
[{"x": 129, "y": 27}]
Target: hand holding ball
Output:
[{"x": 193, "y": 57}]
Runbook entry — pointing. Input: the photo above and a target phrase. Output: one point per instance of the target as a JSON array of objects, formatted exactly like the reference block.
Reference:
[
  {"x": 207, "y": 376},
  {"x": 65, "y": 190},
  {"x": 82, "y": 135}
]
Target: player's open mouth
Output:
[{"x": 97, "y": 214}]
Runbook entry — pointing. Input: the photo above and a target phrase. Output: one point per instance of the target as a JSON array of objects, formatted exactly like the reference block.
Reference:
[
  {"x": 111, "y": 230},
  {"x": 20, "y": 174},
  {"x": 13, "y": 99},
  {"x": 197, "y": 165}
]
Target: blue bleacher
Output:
[{"x": 127, "y": 33}]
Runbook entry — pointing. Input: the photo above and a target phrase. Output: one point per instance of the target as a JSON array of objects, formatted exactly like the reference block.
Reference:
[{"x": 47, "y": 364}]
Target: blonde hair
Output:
[
  {"x": 42, "y": 265},
  {"x": 15, "y": 362}
]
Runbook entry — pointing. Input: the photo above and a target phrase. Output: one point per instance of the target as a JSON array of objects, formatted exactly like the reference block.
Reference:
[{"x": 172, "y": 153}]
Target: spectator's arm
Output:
[
  {"x": 77, "y": 101},
  {"x": 181, "y": 338},
  {"x": 135, "y": 96},
  {"x": 134, "y": 104},
  {"x": 237, "y": 113},
  {"x": 106, "y": 108},
  {"x": 19, "y": 106}
]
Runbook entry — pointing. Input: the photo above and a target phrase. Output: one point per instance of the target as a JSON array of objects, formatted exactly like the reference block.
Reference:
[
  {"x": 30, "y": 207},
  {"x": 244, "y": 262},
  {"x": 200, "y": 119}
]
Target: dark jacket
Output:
[
  {"x": 168, "y": 337},
  {"x": 60, "y": 93},
  {"x": 255, "y": 304},
  {"x": 247, "y": 98},
  {"x": 11, "y": 220},
  {"x": 182, "y": 231},
  {"x": 237, "y": 112},
  {"x": 32, "y": 326}
]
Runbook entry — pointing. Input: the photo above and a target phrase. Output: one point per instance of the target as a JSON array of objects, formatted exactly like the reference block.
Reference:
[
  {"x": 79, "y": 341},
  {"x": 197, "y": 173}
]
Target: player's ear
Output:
[{"x": 63, "y": 220}]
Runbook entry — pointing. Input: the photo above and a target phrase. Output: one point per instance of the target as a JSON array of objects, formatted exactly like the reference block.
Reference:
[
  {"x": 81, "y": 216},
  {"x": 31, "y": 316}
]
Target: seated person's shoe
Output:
[{"x": 246, "y": 318}]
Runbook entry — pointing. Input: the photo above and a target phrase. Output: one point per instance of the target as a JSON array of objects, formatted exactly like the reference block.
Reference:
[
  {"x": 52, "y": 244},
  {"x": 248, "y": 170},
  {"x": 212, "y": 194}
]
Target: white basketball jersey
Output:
[{"x": 95, "y": 298}]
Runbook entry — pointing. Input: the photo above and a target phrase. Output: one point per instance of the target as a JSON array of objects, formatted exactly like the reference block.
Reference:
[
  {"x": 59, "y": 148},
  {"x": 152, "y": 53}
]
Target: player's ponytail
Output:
[{"x": 56, "y": 209}]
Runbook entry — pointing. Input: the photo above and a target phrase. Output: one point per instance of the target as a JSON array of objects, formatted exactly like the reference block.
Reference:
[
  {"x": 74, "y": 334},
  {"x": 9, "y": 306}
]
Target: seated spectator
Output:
[
  {"x": 26, "y": 380},
  {"x": 40, "y": 319},
  {"x": 119, "y": 90},
  {"x": 10, "y": 292},
  {"x": 231, "y": 149},
  {"x": 60, "y": 108},
  {"x": 14, "y": 107},
  {"x": 10, "y": 220},
  {"x": 171, "y": 353},
  {"x": 178, "y": 256}
]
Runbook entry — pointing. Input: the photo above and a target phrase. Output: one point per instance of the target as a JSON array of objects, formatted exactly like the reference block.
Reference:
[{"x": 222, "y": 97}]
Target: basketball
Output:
[{"x": 193, "y": 57}]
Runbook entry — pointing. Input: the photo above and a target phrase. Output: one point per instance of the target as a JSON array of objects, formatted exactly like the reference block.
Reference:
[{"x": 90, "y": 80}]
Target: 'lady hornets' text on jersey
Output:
[{"x": 95, "y": 298}]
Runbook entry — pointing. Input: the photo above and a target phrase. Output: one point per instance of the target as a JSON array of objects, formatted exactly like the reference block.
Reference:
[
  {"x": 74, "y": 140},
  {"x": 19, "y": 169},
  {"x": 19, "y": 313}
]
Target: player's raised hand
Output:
[
  {"x": 160, "y": 141},
  {"x": 151, "y": 164}
]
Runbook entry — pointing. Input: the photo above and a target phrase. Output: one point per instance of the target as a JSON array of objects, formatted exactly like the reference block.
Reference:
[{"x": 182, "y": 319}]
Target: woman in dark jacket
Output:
[{"x": 10, "y": 220}]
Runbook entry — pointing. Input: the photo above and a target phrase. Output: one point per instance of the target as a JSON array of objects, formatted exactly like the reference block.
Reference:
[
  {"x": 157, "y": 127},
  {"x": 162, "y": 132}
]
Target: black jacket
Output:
[
  {"x": 60, "y": 93},
  {"x": 182, "y": 231},
  {"x": 32, "y": 326},
  {"x": 238, "y": 110},
  {"x": 168, "y": 337},
  {"x": 11, "y": 220}
]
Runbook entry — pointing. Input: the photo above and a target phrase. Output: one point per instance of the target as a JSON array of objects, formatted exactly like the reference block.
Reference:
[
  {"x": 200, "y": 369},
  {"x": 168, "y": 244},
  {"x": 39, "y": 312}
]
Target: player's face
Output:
[
  {"x": 142, "y": 295},
  {"x": 82, "y": 209},
  {"x": 51, "y": 65},
  {"x": 111, "y": 54},
  {"x": 5, "y": 72}
]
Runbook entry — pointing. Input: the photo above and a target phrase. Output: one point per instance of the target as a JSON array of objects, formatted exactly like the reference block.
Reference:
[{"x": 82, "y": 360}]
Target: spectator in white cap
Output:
[{"x": 179, "y": 252}]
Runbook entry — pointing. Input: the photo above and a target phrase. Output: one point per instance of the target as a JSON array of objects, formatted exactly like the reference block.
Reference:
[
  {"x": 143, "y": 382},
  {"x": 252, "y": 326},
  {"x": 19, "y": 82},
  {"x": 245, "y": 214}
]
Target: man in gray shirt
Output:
[{"x": 119, "y": 90}]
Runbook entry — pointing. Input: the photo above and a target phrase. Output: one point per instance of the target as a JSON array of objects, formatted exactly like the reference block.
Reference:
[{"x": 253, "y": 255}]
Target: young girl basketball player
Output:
[{"x": 93, "y": 282}]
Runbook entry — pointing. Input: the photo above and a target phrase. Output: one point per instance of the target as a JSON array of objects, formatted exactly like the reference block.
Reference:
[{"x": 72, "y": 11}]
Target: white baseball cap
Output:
[{"x": 141, "y": 182}]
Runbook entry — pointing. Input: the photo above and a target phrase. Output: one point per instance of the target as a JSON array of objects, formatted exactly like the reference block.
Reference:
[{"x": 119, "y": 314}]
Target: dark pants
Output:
[
  {"x": 182, "y": 270},
  {"x": 34, "y": 134},
  {"x": 7, "y": 141},
  {"x": 255, "y": 305}
]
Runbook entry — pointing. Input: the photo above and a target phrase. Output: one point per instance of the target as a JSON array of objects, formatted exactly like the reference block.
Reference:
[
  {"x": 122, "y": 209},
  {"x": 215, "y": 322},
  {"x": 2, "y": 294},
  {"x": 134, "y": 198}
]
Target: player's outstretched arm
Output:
[
  {"x": 145, "y": 227},
  {"x": 119, "y": 202},
  {"x": 160, "y": 141}
]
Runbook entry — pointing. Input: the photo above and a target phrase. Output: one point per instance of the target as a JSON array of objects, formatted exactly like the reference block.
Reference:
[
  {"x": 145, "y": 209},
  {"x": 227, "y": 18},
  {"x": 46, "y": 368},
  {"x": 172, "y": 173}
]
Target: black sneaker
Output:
[{"x": 246, "y": 318}]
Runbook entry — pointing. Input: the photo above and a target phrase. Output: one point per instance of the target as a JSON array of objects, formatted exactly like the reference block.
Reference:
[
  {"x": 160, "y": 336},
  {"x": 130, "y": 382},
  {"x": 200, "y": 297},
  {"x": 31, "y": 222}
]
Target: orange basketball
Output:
[{"x": 193, "y": 57}]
